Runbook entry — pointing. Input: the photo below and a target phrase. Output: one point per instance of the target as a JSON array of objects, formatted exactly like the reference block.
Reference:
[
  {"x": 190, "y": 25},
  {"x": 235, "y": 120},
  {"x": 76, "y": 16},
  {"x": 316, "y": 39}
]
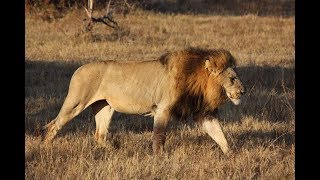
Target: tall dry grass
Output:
[{"x": 261, "y": 131}]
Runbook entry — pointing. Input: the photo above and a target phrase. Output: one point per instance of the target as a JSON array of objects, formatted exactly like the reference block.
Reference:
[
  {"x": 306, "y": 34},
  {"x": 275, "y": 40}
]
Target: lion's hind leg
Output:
[
  {"x": 69, "y": 110},
  {"x": 49, "y": 131},
  {"x": 83, "y": 86},
  {"x": 103, "y": 115}
]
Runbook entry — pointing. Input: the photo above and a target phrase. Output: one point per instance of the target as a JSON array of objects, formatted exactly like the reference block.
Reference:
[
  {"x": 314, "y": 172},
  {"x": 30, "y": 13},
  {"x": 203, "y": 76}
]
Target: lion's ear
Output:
[{"x": 212, "y": 67}]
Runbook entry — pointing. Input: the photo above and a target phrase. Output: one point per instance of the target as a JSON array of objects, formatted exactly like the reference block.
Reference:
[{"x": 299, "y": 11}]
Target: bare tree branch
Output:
[
  {"x": 127, "y": 4},
  {"x": 107, "y": 19},
  {"x": 108, "y": 6}
]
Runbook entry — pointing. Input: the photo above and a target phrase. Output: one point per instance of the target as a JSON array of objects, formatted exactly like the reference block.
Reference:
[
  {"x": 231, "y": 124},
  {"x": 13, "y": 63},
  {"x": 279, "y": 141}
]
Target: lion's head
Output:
[
  {"x": 206, "y": 79},
  {"x": 222, "y": 75},
  {"x": 230, "y": 84}
]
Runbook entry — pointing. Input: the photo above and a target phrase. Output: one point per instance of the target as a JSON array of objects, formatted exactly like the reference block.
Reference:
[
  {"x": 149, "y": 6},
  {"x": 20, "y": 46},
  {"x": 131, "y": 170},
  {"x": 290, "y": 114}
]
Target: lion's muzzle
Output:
[{"x": 236, "y": 97}]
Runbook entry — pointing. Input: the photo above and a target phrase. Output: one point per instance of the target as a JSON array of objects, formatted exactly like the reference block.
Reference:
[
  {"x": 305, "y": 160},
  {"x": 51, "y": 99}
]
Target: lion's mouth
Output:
[{"x": 235, "y": 101}]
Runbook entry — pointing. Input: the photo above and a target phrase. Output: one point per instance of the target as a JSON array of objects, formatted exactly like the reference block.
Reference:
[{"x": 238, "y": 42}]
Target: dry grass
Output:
[{"x": 261, "y": 131}]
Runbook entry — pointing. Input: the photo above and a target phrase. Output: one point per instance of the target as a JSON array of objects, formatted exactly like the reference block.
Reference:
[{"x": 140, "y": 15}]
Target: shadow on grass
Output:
[
  {"x": 259, "y": 137},
  {"x": 50, "y": 80},
  {"x": 247, "y": 140},
  {"x": 221, "y": 7},
  {"x": 209, "y": 7}
]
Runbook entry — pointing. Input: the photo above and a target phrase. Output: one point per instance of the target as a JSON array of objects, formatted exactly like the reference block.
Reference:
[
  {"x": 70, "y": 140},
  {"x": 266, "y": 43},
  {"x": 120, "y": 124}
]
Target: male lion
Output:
[{"x": 179, "y": 84}]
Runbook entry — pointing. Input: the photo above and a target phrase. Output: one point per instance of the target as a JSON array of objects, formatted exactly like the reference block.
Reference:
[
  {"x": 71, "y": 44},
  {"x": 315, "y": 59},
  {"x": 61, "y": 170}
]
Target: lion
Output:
[{"x": 180, "y": 84}]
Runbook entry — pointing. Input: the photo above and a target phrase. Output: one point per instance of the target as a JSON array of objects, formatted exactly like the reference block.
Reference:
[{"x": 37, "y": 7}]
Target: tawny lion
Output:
[{"x": 191, "y": 82}]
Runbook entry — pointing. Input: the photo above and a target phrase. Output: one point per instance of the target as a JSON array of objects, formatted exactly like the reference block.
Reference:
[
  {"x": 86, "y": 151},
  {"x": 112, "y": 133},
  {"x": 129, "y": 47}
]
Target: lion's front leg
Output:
[
  {"x": 212, "y": 126},
  {"x": 161, "y": 120}
]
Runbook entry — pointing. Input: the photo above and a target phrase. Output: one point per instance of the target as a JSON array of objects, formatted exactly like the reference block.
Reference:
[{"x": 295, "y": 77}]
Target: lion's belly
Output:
[
  {"x": 129, "y": 105},
  {"x": 125, "y": 98}
]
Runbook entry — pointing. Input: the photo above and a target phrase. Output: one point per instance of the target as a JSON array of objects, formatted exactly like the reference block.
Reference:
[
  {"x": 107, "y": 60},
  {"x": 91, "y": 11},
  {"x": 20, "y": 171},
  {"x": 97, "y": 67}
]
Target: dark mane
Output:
[
  {"x": 194, "y": 56},
  {"x": 192, "y": 78}
]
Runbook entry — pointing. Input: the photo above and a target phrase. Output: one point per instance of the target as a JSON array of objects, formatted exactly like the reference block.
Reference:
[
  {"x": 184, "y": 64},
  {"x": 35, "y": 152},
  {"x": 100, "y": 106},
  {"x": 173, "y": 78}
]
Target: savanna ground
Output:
[{"x": 260, "y": 131}]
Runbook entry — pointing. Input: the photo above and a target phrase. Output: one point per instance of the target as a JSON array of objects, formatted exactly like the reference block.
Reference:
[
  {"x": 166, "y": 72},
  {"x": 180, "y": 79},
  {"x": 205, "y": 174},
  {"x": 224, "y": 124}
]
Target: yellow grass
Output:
[{"x": 261, "y": 131}]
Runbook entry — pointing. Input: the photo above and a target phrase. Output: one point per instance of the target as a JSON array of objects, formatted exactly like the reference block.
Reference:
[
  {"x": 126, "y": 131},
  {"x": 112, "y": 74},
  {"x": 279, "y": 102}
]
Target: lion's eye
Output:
[{"x": 232, "y": 79}]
